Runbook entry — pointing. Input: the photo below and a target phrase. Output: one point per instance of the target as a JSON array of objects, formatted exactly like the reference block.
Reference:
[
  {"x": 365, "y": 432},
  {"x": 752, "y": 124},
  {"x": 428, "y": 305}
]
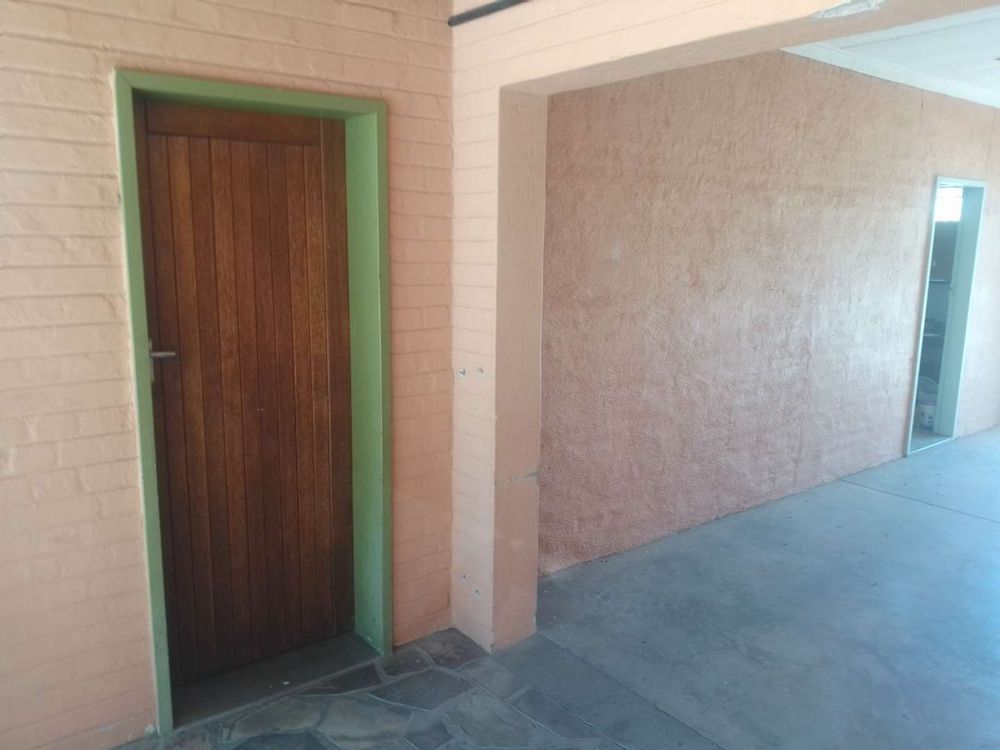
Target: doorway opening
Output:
[
  {"x": 255, "y": 232},
  {"x": 956, "y": 216}
]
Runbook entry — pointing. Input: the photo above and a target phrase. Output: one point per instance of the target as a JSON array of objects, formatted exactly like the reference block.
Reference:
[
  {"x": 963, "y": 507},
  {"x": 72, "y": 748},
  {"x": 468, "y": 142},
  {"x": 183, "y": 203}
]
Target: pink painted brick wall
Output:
[{"x": 75, "y": 666}]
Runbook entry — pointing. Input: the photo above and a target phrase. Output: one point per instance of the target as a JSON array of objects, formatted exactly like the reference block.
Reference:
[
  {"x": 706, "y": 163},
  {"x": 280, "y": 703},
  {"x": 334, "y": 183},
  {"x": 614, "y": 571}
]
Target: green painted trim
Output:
[
  {"x": 368, "y": 269},
  {"x": 367, "y": 240},
  {"x": 129, "y": 187},
  {"x": 245, "y": 96}
]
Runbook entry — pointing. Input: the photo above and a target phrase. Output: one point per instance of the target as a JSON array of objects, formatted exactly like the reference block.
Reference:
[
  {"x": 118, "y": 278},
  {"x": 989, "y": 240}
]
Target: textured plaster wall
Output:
[
  {"x": 734, "y": 260},
  {"x": 75, "y": 667}
]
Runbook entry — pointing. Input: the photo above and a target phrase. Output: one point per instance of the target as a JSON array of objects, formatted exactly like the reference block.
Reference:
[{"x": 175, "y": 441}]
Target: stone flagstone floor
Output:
[{"x": 440, "y": 692}]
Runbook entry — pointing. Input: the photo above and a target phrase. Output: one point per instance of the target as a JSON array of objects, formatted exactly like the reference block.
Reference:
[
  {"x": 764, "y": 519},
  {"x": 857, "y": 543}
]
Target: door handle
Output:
[{"x": 155, "y": 355}]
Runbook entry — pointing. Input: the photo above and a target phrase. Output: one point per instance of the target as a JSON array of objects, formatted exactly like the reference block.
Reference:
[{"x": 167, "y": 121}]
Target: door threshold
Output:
[{"x": 265, "y": 679}]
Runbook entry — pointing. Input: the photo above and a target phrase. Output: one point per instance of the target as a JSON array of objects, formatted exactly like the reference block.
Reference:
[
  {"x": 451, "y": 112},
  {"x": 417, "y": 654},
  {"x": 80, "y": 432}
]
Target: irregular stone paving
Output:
[{"x": 439, "y": 693}]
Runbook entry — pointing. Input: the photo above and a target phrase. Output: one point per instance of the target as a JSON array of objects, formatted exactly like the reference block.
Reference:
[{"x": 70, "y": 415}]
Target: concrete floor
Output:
[{"x": 861, "y": 615}]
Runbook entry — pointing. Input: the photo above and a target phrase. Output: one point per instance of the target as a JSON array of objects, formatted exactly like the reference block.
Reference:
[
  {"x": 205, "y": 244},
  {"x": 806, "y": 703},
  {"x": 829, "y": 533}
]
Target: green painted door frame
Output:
[{"x": 367, "y": 239}]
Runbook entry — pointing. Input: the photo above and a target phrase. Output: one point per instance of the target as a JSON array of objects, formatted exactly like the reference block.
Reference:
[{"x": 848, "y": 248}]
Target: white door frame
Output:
[{"x": 959, "y": 299}]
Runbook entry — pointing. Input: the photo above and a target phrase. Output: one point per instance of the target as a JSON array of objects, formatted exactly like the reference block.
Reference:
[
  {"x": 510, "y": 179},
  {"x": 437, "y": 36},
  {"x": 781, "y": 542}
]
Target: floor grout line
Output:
[
  {"x": 918, "y": 500},
  {"x": 624, "y": 687}
]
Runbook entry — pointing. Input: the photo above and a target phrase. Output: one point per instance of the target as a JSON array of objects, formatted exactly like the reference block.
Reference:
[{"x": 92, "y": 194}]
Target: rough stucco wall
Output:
[
  {"x": 75, "y": 666},
  {"x": 733, "y": 267}
]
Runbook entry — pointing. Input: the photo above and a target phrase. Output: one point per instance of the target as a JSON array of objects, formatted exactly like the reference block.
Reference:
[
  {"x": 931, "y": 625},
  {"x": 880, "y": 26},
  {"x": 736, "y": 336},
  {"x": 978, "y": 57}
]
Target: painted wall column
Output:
[
  {"x": 520, "y": 245},
  {"x": 498, "y": 423}
]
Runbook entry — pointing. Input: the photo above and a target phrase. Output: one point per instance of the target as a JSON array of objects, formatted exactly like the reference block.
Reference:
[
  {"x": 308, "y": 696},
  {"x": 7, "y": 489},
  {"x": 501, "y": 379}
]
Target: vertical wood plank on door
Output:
[
  {"x": 153, "y": 321},
  {"x": 212, "y": 402},
  {"x": 231, "y": 398},
  {"x": 194, "y": 418},
  {"x": 267, "y": 377},
  {"x": 299, "y": 266},
  {"x": 246, "y": 308},
  {"x": 319, "y": 338},
  {"x": 277, "y": 189},
  {"x": 178, "y": 523},
  {"x": 335, "y": 240}
]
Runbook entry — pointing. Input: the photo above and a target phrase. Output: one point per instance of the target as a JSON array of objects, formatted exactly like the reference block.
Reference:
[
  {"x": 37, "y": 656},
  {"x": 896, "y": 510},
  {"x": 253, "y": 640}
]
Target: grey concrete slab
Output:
[
  {"x": 842, "y": 617},
  {"x": 963, "y": 475},
  {"x": 597, "y": 699},
  {"x": 553, "y": 716},
  {"x": 490, "y": 674}
]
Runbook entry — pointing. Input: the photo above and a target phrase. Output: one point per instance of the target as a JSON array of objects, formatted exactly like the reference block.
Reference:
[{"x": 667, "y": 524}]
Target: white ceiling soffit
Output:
[{"x": 955, "y": 55}]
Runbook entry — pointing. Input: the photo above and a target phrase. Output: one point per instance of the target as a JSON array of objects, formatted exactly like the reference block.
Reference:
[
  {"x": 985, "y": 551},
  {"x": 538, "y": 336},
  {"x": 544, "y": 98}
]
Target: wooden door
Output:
[{"x": 245, "y": 255}]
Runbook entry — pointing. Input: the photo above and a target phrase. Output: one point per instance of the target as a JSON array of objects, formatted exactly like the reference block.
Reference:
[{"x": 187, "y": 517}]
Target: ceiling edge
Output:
[{"x": 835, "y": 56}]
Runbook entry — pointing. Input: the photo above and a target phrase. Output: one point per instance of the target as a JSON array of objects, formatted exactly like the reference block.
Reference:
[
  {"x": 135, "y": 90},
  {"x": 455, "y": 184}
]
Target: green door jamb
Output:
[{"x": 367, "y": 239}]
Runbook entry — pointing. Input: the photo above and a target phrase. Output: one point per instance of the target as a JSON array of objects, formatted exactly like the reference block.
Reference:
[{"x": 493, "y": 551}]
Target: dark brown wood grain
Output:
[
  {"x": 267, "y": 379},
  {"x": 189, "y": 362},
  {"x": 245, "y": 252},
  {"x": 335, "y": 233},
  {"x": 246, "y": 296},
  {"x": 281, "y": 278},
  {"x": 231, "y": 398},
  {"x": 168, "y": 383},
  {"x": 150, "y": 270},
  {"x": 203, "y": 222},
  {"x": 231, "y": 124},
  {"x": 319, "y": 321},
  {"x": 298, "y": 261}
]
